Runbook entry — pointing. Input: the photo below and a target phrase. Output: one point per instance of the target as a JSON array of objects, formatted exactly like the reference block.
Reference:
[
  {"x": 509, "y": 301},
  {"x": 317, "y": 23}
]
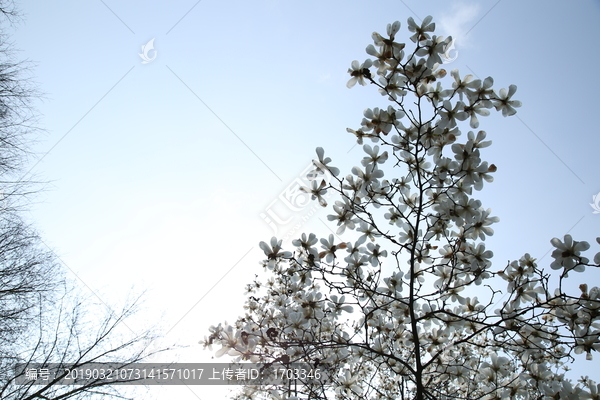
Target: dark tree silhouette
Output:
[{"x": 42, "y": 319}]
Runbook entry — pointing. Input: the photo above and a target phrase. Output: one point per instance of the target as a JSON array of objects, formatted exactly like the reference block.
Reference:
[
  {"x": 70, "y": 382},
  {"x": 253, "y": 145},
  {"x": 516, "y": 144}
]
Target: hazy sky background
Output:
[{"x": 163, "y": 170}]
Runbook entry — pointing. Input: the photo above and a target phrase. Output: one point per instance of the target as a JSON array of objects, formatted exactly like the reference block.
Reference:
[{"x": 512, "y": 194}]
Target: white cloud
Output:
[
  {"x": 457, "y": 23},
  {"x": 324, "y": 77}
]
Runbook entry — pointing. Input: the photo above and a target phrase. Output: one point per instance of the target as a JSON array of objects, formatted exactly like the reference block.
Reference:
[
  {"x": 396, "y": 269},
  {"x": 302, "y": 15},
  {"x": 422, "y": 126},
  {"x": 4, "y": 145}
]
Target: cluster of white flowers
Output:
[{"x": 393, "y": 313}]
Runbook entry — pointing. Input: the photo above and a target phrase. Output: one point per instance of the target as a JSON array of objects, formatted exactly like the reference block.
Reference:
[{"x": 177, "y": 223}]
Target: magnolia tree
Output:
[{"x": 407, "y": 306}]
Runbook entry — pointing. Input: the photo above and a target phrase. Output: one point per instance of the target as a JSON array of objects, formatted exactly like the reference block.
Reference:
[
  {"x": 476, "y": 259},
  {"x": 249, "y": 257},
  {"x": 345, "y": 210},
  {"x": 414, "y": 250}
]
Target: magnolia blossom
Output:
[
  {"x": 504, "y": 103},
  {"x": 321, "y": 166},
  {"x": 473, "y": 109},
  {"x": 317, "y": 191},
  {"x": 348, "y": 384},
  {"x": 359, "y": 72},
  {"x": 568, "y": 254},
  {"x": 421, "y": 30},
  {"x": 450, "y": 114},
  {"x": 273, "y": 251}
]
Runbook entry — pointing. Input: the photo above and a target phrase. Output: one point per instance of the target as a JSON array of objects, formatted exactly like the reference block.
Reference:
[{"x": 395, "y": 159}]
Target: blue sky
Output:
[{"x": 160, "y": 172}]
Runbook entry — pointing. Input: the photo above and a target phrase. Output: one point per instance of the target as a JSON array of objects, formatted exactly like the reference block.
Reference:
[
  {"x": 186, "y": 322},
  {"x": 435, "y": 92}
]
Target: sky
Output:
[{"x": 165, "y": 175}]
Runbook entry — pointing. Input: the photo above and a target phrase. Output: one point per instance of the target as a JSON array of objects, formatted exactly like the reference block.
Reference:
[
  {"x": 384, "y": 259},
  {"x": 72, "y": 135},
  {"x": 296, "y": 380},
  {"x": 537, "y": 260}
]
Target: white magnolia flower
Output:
[
  {"x": 593, "y": 388},
  {"x": 587, "y": 344},
  {"x": 476, "y": 108},
  {"x": 339, "y": 305},
  {"x": 359, "y": 134},
  {"x": 373, "y": 253},
  {"x": 568, "y": 254},
  {"x": 230, "y": 341},
  {"x": 382, "y": 56},
  {"x": 359, "y": 72},
  {"x": 393, "y": 28},
  {"x": 433, "y": 49},
  {"x": 483, "y": 92},
  {"x": 464, "y": 86},
  {"x": 504, "y": 103},
  {"x": 373, "y": 156},
  {"x": 421, "y": 30},
  {"x": 330, "y": 248},
  {"x": 306, "y": 243},
  {"x": 317, "y": 191},
  {"x": 296, "y": 322},
  {"x": 343, "y": 216},
  {"x": 377, "y": 120},
  {"x": 348, "y": 384},
  {"x": 321, "y": 166},
  {"x": 273, "y": 252},
  {"x": 393, "y": 86},
  {"x": 388, "y": 46},
  {"x": 450, "y": 114}
]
